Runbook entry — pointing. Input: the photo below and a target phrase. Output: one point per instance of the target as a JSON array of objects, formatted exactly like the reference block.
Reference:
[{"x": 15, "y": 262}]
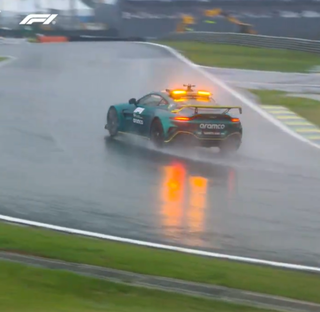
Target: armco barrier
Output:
[
  {"x": 102, "y": 38},
  {"x": 68, "y": 35},
  {"x": 20, "y": 33},
  {"x": 305, "y": 45}
]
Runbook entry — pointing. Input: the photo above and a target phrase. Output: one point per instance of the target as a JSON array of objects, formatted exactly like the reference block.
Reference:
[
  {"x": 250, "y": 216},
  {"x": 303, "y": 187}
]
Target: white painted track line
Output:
[
  {"x": 244, "y": 73},
  {"x": 160, "y": 246},
  {"x": 275, "y": 84},
  {"x": 256, "y": 71}
]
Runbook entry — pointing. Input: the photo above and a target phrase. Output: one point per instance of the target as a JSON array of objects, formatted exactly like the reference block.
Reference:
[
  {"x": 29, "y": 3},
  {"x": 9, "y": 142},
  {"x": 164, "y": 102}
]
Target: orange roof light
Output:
[
  {"x": 176, "y": 92},
  {"x": 182, "y": 118},
  {"x": 205, "y": 93}
]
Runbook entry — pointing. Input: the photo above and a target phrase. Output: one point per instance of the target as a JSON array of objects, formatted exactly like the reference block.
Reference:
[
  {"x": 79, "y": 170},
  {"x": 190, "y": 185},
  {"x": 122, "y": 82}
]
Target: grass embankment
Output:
[
  {"x": 2, "y": 58},
  {"x": 306, "y": 108},
  {"x": 143, "y": 260},
  {"x": 232, "y": 56},
  {"x": 30, "y": 289}
]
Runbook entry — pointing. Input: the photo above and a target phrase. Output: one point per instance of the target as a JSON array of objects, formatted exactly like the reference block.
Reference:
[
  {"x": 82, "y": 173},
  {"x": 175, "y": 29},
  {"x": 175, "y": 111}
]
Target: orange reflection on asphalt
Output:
[
  {"x": 182, "y": 200},
  {"x": 172, "y": 196},
  {"x": 197, "y": 203},
  {"x": 232, "y": 183}
]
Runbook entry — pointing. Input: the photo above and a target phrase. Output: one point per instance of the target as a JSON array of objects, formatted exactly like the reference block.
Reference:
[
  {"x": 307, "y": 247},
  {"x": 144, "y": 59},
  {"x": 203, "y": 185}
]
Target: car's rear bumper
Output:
[{"x": 189, "y": 138}]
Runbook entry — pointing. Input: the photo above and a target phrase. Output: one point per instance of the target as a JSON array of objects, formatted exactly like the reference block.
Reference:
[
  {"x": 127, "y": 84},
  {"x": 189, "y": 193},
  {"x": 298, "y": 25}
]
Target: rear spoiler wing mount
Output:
[{"x": 196, "y": 107}]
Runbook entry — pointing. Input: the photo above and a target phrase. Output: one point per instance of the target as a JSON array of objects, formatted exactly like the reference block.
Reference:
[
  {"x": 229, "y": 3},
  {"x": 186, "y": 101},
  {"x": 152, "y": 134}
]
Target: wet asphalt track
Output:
[
  {"x": 254, "y": 79},
  {"x": 58, "y": 166}
]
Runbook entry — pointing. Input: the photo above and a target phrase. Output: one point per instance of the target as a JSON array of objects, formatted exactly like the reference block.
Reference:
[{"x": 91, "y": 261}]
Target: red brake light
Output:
[
  {"x": 182, "y": 118},
  {"x": 235, "y": 119}
]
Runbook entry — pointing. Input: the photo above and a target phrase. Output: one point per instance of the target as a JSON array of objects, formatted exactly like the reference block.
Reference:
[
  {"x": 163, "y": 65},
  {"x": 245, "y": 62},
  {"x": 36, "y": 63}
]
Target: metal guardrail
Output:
[{"x": 312, "y": 46}]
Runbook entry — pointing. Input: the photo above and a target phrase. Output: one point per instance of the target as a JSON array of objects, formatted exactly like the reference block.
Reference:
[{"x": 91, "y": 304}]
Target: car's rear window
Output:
[{"x": 198, "y": 101}]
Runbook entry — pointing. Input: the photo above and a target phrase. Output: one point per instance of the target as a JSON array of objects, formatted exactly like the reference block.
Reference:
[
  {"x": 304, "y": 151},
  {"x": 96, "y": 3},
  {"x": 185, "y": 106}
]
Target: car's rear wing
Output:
[{"x": 196, "y": 107}]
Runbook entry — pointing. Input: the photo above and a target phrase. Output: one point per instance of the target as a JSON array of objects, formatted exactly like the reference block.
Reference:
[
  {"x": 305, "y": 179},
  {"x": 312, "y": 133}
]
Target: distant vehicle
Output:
[{"x": 182, "y": 115}]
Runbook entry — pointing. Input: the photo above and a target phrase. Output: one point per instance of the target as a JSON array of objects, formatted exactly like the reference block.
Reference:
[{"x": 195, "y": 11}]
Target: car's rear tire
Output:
[
  {"x": 157, "y": 133},
  {"x": 113, "y": 122},
  {"x": 230, "y": 145}
]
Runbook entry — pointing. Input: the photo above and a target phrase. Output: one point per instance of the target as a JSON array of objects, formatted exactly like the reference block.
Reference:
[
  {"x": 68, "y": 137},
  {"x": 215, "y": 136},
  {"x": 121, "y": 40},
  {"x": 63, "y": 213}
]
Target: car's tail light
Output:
[
  {"x": 235, "y": 119},
  {"x": 180, "y": 118}
]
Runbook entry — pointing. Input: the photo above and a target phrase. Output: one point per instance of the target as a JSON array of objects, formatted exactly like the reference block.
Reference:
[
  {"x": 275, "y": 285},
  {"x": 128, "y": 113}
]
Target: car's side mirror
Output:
[{"x": 133, "y": 101}]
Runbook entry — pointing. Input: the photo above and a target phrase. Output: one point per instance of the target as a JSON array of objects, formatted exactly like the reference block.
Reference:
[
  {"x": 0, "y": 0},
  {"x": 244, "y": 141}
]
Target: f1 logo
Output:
[
  {"x": 45, "y": 19},
  {"x": 138, "y": 110}
]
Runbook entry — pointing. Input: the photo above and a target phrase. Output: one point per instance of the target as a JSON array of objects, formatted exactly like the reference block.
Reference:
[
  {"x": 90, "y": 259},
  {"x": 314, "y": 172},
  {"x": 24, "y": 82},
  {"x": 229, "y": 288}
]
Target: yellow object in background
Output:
[
  {"x": 188, "y": 19},
  {"x": 213, "y": 12}
]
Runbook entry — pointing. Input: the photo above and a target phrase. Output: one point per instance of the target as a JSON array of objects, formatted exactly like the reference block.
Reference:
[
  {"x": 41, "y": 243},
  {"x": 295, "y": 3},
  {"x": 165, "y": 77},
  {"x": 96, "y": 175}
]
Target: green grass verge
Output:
[
  {"x": 32, "y": 40},
  {"x": 150, "y": 261},
  {"x": 3, "y": 58},
  {"x": 31, "y": 289},
  {"x": 231, "y": 56},
  {"x": 306, "y": 108}
]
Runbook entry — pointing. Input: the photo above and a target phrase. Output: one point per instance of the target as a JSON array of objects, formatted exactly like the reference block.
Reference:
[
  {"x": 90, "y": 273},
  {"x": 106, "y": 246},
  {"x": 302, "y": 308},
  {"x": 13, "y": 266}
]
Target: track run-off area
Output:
[{"x": 58, "y": 166}]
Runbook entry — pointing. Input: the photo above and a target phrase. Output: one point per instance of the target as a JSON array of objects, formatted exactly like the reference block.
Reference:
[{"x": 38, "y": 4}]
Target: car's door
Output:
[
  {"x": 128, "y": 116},
  {"x": 144, "y": 113}
]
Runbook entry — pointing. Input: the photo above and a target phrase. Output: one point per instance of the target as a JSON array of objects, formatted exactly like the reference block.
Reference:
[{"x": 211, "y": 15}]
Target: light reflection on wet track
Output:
[
  {"x": 182, "y": 200},
  {"x": 58, "y": 166}
]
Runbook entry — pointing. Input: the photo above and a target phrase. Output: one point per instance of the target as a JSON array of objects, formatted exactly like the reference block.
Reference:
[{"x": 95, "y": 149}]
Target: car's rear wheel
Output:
[
  {"x": 230, "y": 145},
  {"x": 113, "y": 122},
  {"x": 157, "y": 133}
]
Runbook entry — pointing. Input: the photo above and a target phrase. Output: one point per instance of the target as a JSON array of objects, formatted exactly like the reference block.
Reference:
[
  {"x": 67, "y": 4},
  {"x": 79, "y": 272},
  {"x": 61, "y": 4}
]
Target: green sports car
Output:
[{"x": 187, "y": 116}]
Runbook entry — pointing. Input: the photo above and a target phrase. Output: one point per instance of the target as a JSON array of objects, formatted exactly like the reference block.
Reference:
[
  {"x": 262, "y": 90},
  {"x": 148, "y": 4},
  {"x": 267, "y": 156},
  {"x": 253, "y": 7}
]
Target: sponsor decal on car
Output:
[
  {"x": 137, "y": 118},
  {"x": 212, "y": 126},
  {"x": 138, "y": 110},
  {"x": 211, "y": 133},
  {"x": 138, "y": 121}
]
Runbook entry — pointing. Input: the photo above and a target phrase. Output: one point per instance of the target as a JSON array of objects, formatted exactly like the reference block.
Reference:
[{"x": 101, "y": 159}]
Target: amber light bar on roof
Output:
[
  {"x": 205, "y": 93},
  {"x": 178, "y": 92},
  {"x": 184, "y": 92}
]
